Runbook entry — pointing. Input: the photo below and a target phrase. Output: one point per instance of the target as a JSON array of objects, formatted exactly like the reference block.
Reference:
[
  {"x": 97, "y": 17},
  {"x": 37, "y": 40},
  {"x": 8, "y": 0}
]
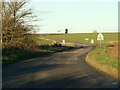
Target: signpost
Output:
[
  {"x": 100, "y": 37},
  {"x": 63, "y": 41},
  {"x": 92, "y": 41}
]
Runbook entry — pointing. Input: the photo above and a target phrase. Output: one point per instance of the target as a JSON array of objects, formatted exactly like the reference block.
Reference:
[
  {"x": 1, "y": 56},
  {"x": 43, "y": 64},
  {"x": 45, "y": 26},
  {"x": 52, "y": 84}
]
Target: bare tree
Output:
[{"x": 14, "y": 17}]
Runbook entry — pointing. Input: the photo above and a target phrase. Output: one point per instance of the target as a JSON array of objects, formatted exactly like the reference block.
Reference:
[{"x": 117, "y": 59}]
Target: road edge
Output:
[{"x": 102, "y": 68}]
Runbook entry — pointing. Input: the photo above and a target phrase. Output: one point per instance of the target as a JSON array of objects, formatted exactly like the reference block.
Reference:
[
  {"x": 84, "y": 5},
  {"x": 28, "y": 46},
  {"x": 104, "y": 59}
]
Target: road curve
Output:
[{"x": 66, "y": 69}]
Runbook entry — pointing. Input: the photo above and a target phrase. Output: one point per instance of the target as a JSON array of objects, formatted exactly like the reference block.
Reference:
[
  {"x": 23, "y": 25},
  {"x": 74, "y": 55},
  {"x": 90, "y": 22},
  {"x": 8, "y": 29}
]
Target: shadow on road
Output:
[
  {"x": 60, "y": 70},
  {"x": 28, "y": 70}
]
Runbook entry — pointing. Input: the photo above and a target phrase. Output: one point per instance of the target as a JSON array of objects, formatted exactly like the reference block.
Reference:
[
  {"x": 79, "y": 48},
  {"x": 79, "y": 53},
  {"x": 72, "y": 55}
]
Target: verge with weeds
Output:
[
  {"x": 99, "y": 59},
  {"x": 15, "y": 55}
]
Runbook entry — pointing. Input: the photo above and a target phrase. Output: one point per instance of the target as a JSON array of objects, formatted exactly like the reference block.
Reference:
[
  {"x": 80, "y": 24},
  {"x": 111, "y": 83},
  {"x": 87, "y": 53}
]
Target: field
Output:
[{"x": 80, "y": 38}]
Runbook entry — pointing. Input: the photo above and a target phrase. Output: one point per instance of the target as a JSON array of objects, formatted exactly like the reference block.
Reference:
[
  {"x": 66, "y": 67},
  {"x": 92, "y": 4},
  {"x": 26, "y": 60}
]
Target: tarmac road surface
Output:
[{"x": 66, "y": 69}]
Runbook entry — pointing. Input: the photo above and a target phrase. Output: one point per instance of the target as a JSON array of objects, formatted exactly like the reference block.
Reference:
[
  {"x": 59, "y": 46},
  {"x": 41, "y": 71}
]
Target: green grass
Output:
[
  {"x": 100, "y": 55},
  {"x": 41, "y": 41},
  {"x": 80, "y": 38},
  {"x": 18, "y": 55},
  {"x": 12, "y": 56}
]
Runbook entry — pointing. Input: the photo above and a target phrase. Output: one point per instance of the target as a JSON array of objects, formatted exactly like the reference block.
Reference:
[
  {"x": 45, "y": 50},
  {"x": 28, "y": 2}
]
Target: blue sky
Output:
[{"x": 77, "y": 17}]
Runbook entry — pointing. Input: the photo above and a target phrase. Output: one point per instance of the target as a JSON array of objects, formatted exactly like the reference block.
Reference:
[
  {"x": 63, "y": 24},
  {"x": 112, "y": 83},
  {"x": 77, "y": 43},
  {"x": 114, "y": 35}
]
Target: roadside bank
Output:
[{"x": 101, "y": 61}]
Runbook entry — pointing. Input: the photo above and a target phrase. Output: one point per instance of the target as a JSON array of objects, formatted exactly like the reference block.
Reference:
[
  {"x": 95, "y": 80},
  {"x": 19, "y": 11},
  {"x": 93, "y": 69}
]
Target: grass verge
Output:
[
  {"x": 15, "y": 55},
  {"x": 99, "y": 59}
]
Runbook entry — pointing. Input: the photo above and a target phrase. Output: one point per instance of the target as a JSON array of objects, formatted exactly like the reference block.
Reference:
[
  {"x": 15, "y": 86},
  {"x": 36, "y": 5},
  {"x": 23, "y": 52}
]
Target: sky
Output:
[{"x": 84, "y": 16}]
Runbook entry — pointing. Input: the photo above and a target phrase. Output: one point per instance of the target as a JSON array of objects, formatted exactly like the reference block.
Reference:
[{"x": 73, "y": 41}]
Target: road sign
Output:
[{"x": 100, "y": 37}]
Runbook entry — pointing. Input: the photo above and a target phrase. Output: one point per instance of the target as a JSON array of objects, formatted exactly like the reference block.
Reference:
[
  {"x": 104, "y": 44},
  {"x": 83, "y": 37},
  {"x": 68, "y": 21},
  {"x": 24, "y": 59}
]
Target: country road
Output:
[{"x": 66, "y": 69}]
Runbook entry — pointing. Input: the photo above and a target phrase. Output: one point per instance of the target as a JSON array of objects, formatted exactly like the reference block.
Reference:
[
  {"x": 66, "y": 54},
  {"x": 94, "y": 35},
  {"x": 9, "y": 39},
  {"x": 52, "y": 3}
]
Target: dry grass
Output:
[
  {"x": 68, "y": 44},
  {"x": 113, "y": 51}
]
